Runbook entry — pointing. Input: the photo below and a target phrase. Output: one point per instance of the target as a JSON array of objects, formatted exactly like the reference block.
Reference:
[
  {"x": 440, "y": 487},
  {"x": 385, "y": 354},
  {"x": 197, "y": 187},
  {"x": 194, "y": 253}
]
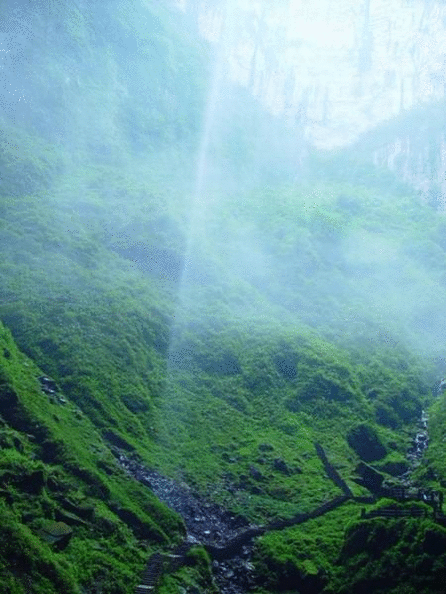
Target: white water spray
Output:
[{"x": 201, "y": 199}]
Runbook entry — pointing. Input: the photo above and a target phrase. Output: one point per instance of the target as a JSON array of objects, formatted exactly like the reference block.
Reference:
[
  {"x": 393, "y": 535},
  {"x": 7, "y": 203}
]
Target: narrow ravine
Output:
[
  {"x": 207, "y": 524},
  {"x": 420, "y": 442},
  {"x": 227, "y": 537}
]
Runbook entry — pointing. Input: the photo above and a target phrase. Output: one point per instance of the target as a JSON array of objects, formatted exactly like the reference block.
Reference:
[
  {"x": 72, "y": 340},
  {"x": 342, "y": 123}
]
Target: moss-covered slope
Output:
[
  {"x": 215, "y": 339},
  {"x": 70, "y": 515}
]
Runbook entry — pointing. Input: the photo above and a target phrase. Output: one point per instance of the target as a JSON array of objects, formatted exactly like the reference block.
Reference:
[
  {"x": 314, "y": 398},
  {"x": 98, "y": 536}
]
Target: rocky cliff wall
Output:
[
  {"x": 340, "y": 68},
  {"x": 370, "y": 73}
]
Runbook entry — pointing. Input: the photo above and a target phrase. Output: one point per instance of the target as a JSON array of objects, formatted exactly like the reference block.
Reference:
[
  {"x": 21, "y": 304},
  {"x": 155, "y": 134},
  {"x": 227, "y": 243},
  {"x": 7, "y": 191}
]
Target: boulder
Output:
[
  {"x": 281, "y": 466},
  {"x": 57, "y": 533},
  {"x": 48, "y": 385},
  {"x": 365, "y": 441},
  {"x": 370, "y": 477}
]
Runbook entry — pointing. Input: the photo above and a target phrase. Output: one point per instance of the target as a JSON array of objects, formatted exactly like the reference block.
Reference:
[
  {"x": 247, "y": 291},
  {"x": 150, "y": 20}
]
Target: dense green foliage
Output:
[
  {"x": 56, "y": 466},
  {"x": 216, "y": 336}
]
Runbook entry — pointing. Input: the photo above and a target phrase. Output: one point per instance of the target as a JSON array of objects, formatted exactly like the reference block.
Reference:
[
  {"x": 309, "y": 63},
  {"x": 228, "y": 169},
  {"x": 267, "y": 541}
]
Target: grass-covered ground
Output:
[
  {"x": 70, "y": 516},
  {"x": 228, "y": 393},
  {"x": 216, "y": 337}
]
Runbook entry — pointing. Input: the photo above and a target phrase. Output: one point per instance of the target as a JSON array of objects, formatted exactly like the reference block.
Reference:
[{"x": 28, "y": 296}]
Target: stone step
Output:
[{"x": 151, "y": 575}]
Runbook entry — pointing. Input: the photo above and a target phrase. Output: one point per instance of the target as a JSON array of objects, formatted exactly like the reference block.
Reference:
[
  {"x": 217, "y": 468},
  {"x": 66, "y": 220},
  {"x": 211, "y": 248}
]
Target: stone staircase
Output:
[
  {"x": 160, "y": 563},
  {"x": 151, "y": 575}
]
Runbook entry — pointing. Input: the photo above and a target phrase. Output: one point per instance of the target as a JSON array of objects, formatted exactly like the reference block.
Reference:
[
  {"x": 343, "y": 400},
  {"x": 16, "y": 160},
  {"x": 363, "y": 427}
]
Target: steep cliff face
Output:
[
  {"x": 339, "y": 68},
  {"x": 419, "y": 160},
  {"x": 413, "y": 147}
]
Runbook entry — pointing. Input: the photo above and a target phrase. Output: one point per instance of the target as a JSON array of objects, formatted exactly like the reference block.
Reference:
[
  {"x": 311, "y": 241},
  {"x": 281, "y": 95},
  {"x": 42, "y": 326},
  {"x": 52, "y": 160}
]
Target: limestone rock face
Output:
[
  {"x": 338, "y": 68},
  {"x": 338, "y": 71}
]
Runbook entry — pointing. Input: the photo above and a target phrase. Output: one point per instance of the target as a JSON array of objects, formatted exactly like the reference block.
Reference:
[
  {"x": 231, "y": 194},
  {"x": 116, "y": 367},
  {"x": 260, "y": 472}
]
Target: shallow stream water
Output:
[{"x": 416, "y": 451}]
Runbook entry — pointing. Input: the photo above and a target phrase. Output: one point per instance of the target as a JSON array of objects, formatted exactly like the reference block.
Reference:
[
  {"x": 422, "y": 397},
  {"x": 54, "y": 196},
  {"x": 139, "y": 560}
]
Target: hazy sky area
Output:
[{"x": 341, "y": 66}]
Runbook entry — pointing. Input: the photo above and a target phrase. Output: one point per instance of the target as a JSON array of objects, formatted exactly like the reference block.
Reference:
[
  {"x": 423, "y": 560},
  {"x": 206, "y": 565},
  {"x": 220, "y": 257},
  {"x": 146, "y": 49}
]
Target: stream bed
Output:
[
  {"x": 209, "y": 524},
  {"x": 206, "y": 523},
  {"x": 416, "y": 451}
]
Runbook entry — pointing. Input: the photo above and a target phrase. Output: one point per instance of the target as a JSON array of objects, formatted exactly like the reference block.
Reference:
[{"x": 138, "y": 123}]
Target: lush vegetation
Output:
[{"x": 214, "y": 337}]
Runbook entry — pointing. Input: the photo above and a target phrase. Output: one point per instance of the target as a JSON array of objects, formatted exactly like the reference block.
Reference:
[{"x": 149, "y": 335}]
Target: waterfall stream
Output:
[{"x": 416, "y": 451}]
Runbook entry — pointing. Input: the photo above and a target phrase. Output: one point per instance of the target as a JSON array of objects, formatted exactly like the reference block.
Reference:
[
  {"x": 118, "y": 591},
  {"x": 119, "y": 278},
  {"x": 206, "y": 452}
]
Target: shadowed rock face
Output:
[
  {"x": 370, "y": 478},
  {"x": 365, "y": 442}
]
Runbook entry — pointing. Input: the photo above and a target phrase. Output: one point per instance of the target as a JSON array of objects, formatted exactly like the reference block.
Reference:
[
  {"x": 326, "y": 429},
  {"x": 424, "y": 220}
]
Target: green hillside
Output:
[{"x": 213, "y": 333}]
